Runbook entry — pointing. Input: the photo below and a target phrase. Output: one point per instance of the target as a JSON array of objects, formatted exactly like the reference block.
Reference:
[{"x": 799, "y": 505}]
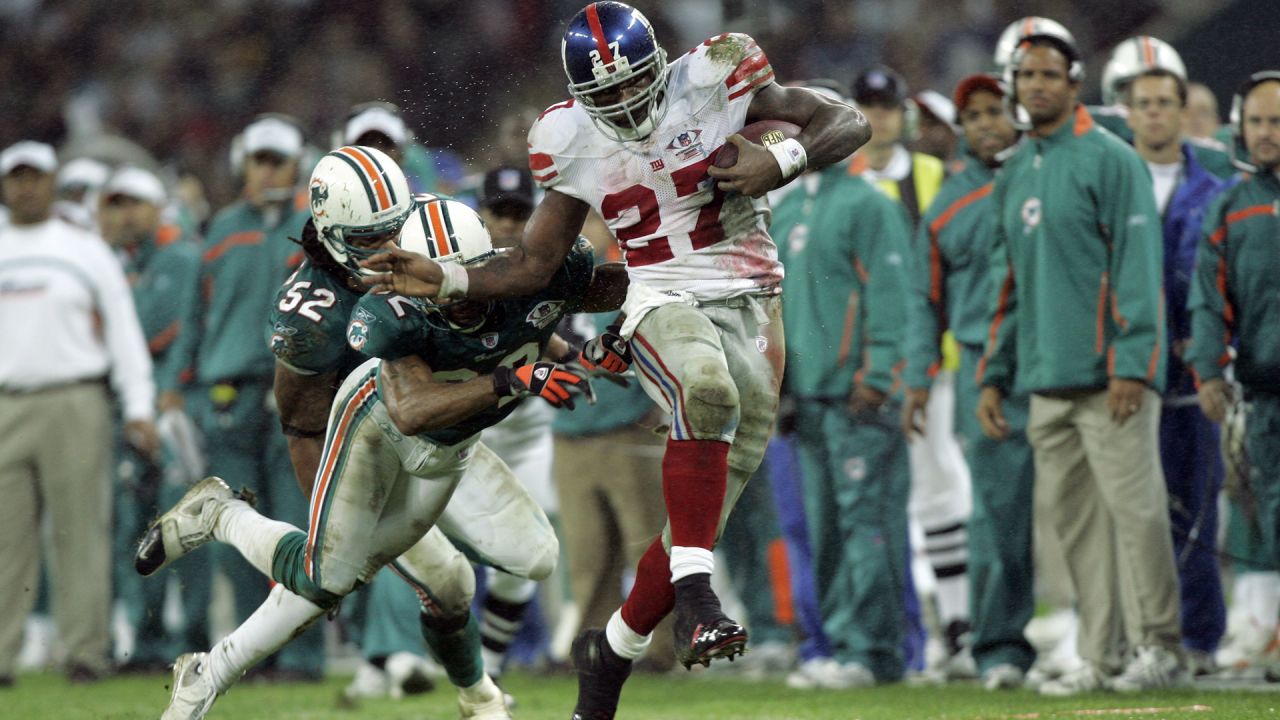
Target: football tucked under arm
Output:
[{"x": 761, "y": 132}]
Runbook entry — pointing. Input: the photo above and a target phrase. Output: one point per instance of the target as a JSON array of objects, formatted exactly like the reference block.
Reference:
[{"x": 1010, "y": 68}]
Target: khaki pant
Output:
[
  {"x": 1103, "y": 491},
  {"x": 55, "y": 459},
  {"x": 610, "y": 487}
]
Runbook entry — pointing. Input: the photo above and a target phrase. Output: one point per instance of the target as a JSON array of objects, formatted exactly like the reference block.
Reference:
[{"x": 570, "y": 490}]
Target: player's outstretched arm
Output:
[
  {"x": 830, "y": 132},
  {"x": 524, "y": 269}
]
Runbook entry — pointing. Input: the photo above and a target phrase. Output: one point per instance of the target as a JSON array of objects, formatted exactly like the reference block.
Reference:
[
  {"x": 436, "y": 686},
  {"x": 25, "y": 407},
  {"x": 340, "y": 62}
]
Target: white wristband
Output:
[
  {"x": 453, "y": 284},
  {"x": 791, "y": 157}
]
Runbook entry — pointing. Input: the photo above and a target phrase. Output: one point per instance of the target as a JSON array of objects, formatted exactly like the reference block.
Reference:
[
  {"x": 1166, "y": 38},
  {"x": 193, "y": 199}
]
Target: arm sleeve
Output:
[
  {"x": 999, "y": 361},
  {"x": 126, "y": 345},
  {"x": 1136, "y": 271},
  {"x": 185, "y": 271},
  {"x": 925, "y": 307},
  {"x": 1211, "y": 310},
  {"x": 884, "y": 294}
]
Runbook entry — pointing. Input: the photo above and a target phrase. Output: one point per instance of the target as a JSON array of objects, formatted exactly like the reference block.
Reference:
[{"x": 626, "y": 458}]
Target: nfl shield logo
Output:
[
  {"x": 762, "y": 343},
  {"x": 489, "y": 340}
]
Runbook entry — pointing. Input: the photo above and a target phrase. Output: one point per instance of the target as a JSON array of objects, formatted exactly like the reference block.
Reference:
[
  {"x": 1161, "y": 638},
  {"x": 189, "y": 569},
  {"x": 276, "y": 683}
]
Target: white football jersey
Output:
[{"x": 678, "y": 232}]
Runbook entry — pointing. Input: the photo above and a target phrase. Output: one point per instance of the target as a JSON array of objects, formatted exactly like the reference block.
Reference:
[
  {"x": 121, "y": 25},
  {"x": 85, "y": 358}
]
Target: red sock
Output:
[
  {"x": 694, "y": 475},
  {"x": 652, "y": 596}
]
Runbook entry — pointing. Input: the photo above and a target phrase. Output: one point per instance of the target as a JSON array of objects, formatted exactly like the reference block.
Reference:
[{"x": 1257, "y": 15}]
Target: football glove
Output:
[
  {"x": 550, "y": 381},
  {"x": 608, "y": 351}
]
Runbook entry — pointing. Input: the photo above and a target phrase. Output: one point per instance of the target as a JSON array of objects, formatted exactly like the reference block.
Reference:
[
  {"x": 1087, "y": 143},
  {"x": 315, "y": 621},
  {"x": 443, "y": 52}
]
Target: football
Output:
[{"x": 761, "y": 132}]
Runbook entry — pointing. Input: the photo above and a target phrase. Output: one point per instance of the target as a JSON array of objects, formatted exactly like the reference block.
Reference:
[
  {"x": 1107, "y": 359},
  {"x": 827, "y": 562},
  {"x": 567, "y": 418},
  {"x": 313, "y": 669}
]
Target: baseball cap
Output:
[
  {"x": 33, "y": 154},
  {"x": 273, "y": 134},
  {"x": 507, "y": 185},
  {"x": 937, "y": 105},
  {"x": 378, "y": 118},
  {"x": 972, "y": 84},
  {"x": 880, "y": 85},
  {"x": 83, "y": 172},
  {"x": 136, "y": 183}
]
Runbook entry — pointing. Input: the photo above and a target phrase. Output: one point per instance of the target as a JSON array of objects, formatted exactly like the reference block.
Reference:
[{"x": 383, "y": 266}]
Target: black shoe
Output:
[
  {"x": 702, "y": 630},
  {"x": 601, "y": 674}
]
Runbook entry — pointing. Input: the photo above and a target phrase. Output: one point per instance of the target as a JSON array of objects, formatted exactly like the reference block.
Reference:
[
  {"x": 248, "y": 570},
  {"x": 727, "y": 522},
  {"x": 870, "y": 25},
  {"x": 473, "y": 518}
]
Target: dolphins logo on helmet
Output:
[{"x": 608, "y": 47}]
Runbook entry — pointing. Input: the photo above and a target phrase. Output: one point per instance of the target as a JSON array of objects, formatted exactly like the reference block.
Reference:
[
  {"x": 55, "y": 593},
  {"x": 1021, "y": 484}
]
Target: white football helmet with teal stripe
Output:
[
  {"x": 446, "y": 231},
  {"x": 1133, "y": 57},
  {"x": 359, "y": 199}
]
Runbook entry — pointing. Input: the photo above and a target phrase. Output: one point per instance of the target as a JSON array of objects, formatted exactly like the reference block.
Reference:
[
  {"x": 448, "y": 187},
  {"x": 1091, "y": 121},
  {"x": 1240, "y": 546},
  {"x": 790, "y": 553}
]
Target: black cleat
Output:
[
  {"x": 601, "y": 674},
  {"x": 702, "y": 630}
]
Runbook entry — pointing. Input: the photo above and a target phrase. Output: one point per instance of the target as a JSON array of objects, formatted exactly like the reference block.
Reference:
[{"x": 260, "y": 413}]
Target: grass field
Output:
[{"x": 674, "y": 697}]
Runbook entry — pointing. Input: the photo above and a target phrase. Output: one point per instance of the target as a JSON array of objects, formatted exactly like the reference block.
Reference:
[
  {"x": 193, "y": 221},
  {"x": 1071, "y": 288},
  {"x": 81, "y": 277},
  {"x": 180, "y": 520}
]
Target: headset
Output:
[{"x": 1239, "y": 151}]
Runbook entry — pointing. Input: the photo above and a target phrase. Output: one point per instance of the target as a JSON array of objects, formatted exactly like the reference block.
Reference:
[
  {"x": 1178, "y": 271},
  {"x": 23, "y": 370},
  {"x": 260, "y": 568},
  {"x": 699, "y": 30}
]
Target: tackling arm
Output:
[
  {"x": 304, "y": 412},
  {"x": 418, "y": 404}
]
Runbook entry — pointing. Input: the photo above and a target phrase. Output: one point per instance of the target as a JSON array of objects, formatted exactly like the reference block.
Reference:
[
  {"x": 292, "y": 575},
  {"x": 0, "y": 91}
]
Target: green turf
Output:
[{"x": 37, "y": 697}]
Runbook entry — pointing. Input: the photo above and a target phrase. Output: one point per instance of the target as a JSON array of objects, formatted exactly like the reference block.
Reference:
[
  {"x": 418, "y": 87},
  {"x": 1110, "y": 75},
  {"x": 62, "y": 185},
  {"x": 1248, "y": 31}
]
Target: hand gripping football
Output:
[{"x": 761, "y": 132}]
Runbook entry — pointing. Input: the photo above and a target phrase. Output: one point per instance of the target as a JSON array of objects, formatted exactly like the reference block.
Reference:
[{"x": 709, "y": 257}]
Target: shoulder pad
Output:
[
  {"x": 554, "y": 130},
  {"x": 732, "y": 58}
]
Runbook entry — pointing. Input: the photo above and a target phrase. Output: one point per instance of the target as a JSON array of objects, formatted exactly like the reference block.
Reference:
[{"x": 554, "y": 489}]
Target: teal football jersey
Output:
[
  {"x": 307, "y": 326},
  {"x": 514, "y": 333}
]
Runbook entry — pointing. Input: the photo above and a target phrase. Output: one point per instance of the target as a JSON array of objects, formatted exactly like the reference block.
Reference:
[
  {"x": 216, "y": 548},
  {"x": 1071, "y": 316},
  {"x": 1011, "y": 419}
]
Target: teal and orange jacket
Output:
[
  {"x": 1235, "y": 295},
  {"x": 1077, "y": 256}
]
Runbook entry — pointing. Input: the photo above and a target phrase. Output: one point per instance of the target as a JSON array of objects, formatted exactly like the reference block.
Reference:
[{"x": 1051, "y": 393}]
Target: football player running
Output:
[
  {"x": 636, "y": 142},
  {"x": 401, "y": 436}
]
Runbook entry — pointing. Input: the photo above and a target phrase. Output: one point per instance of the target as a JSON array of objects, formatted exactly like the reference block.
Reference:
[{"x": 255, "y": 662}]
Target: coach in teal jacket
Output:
[{"x": 1079, "y": 323}]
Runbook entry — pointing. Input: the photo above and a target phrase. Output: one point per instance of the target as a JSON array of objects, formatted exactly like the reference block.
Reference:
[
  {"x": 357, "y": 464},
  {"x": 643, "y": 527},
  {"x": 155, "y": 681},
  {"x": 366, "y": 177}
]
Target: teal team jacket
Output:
[
  {"x": 844, "y": 244},
  {"x": 1235, "y": 295},
  {"x": 1077, "y": 256},
  {"x": 950, "y": 271}
]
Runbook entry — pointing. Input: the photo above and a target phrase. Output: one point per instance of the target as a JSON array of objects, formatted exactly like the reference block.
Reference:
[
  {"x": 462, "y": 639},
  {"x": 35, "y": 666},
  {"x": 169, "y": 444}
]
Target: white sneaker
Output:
[
  {"x": 193, "y": 690},
  {"x": 369, "y": 682},
  {"x": 188, "y": 525},
  {"x": 827, "y": 674},
  {"x": 407, "y": 675},
  {"x": 1152, "y": 668},
  {"x": 960, "y": 666},
  {"x": 1003, "y": 677},
  {"x": 482, "y": 701},
  {"x": 1084, "y": 679}
]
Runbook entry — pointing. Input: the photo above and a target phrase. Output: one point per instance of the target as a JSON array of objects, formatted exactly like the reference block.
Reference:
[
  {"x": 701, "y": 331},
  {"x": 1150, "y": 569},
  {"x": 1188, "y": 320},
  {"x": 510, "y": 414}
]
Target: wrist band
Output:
[
  {"x": 791, "y": 157},
  {"x": 453, "y": 284}
]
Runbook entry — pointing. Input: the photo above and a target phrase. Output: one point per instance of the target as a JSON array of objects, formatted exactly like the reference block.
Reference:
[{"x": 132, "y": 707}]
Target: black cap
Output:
[
  {"x": 880, "y": 85},
  {"x": 509, "y": 186}
]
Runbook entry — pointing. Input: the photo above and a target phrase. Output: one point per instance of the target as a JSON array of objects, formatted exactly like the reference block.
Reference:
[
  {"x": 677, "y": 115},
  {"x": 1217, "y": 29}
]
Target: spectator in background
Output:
[
  {"x": 1189, "y": 449},
  {"x": 162, "y": 267},
  {"x": 936, "y": 133},
  {"x": 69, "y": 324},
  {"x": 78, "y": 182},
  {"x": 1237, "y": 277},
  {"x": 1203, "y": 119},
  {"x": 940, "y": 484},
  {"x": 246, "y": 256},
  {"x": 523, "y": 440},
  {"x": 951, "y": 290},
  {"x": 843, "y": 243},
  {"x": 1078, "y": 321}
]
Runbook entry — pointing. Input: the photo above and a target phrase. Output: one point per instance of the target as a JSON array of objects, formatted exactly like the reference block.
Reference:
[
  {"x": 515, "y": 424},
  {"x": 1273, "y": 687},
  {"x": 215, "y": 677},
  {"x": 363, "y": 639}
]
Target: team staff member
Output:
[
  {"x": 843, "y": 243},
  {"x": 69, "y": 324},
  {"x": 247, "y": 254},
  {"x": 951, "y": 290},
  {"x": 1077, "y": 228},
  {"x": 1189, "y": 450},
  {"x": 1233, "y": 298},
  {"x": 162, "y": 268}
]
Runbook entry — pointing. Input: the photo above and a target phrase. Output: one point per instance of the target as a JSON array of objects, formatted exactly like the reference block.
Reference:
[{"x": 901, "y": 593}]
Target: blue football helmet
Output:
[{"x": 607, "y": 46}]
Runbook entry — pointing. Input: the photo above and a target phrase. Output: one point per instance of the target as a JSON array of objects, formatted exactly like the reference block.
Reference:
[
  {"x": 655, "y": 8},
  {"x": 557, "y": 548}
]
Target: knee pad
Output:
[{"x": 711, "y": 398}]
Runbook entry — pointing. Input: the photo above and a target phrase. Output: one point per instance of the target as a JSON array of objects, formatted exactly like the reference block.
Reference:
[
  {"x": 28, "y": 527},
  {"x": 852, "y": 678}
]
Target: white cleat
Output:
[
  {"x": 1004, "y": 676},
  {"x": 482, "y": 701},
  {"x": 193, "y": 690},
  {"x": 1152, "y": 668},
  {"x": 188, "y": 525}
]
